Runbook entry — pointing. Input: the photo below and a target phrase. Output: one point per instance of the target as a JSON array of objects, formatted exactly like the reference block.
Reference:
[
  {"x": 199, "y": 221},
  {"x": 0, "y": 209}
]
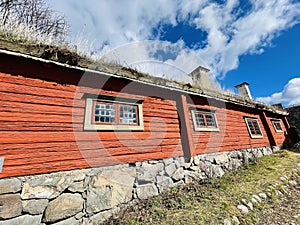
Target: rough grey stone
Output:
[
  {"x": 196, "y": 160},
  {"x": 227, "y": 222},
  {"x": 257, "y": 198},
  {"x": 202, "y": 166},
  {"x": 168, "y": 161},
  {"x": 146, "y": 190},
  {"x": 235, "y": 220},
  {"x": 221, "y": 158},
  {"x": 179, "y": 174},
  {"x": 77, "y": 186},
  {"x": 194, "y": 168},
  {"x": 190, "y": 176},
  {"x": 263, "y": 195},
  {"x": 98, "y": 199},
  {"x": 120, "y": 182},
  {"x": 24, "y": 220},
  {"x": 164, "y": 183},
  {"x": 100, "y": 217},
  {"x": 243, "y": 209},
  {"x": 148, "y": 173},
  {"x": 70, "y": 221},
  {"x": 170, "y": 169},
  {"x": 234, "y": 164},
  {"x": 215, "y": 171},
  {"x": 11, "y": 185},
  {"x": 35, "y": 207},
  {"x": 254, "y": 200},
  {"x": 65, "y": 206},
  {"x": 47, "y": 187},
  {"x": 10, "y": 206},
  {"x": 265, "y": 151}
]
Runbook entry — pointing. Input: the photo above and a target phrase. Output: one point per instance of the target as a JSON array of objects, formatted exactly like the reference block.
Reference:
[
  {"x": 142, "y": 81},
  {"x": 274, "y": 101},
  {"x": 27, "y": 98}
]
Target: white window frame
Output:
[
  {"x": 197, "y": 128},
  {"x": 276, "y": 130},
  {"x": 89, "y": 109},
  {"x": 249, "y": 130}
]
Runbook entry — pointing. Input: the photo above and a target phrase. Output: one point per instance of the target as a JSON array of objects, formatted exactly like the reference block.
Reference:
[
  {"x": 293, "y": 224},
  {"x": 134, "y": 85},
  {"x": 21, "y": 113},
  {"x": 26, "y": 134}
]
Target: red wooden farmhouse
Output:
[{"x": 57, "y": 117}]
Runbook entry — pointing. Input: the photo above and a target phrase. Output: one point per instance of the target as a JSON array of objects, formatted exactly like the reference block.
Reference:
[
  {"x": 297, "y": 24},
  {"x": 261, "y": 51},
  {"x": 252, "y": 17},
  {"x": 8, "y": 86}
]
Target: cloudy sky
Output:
[{"x": 257, "y": 41}]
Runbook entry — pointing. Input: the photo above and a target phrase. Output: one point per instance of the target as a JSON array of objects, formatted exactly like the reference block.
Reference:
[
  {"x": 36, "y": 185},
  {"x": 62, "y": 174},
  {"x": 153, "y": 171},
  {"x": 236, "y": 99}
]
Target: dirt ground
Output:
[{"x": 287, "y": 211}]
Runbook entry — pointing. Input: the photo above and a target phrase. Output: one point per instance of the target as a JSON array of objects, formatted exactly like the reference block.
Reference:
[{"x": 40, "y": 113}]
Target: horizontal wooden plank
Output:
[{"x": 40, "y": 137}]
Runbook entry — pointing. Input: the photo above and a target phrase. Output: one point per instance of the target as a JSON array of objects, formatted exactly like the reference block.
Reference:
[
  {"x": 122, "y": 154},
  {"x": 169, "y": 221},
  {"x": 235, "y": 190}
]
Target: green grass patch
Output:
[{"x": 213, "y": 200}]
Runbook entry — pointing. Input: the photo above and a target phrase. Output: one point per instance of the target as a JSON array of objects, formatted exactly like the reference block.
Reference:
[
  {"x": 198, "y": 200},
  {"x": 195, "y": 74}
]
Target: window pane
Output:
[
  {"x": 199, "y": 119},
  {"x": 210, "y": 120},
  {"x": 104, "y": 113},
  {"x": 127, "y": 113}
]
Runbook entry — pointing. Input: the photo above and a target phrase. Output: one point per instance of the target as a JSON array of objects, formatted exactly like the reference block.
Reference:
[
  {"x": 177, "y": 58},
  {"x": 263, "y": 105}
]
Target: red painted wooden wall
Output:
[{"x": 41, "y": 129}]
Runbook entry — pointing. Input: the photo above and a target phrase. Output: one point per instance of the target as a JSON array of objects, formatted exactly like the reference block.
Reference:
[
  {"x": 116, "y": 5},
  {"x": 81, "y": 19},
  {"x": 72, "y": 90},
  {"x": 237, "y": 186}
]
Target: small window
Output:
[
  {"x": 277, "y": 126},
  {"x": 204, "y": 120},
  {"x": 103, "y": 114},
  {"x": 253, "y": 128}
]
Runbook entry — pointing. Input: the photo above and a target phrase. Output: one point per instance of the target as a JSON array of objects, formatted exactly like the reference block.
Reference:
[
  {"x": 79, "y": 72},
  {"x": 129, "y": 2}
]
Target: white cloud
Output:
[
  {"x": 230, "y": 32},
  {"x": 290, "y": 95}
]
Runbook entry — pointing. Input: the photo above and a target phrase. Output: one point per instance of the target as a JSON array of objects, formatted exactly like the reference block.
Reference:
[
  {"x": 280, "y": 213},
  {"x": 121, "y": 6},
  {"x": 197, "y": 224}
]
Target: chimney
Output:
[
  {"x": 200, "y": 77},
  {"x": 244, "y": 90}
]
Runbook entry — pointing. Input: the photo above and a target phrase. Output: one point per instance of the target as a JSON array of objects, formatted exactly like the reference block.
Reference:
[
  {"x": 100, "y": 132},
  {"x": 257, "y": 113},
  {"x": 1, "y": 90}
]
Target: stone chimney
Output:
[
  {"x": 200, "y": 77},
  {"x": 244, "y": 90}
]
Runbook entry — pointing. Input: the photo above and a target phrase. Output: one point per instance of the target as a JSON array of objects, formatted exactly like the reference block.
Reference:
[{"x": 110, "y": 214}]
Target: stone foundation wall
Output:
[{"x": 91, "y": 196}]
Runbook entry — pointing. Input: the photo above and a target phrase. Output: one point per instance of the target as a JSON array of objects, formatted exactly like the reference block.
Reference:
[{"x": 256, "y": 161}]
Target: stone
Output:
[
  {"x": 254, "y": 200},
  {"x": 23, "y": 220},
  {"x": 70, "y": 221},
  {"x": 10, "y": 206},
  {"x": 148, "y": 172},
  {"x": 47, "y": 187},
  {"x": 190, "y": 177},
  {"x": 216, "y": 171},
  {"x": 202, "y": 166},
  {"x": 120, "y": 182},
  {"x": 179, "y": 174},
  {"x": 263, "y": 195},
  {"x": 293, "y": 182},
  {"x": 196, "y": 160},
  {"x": 146, "y": 190},
  {"x": 168, "y": 161},
  {"x": 235, "y": 220},
  {"x": 243, "y": 209},
  {"x": 187, "y": 165},
  {"x": 234, "y": 164},
  {"x": 11, "y": 185},
  {"x": 282, "y": 178},
  {"x": 164, "y": 183},
  {"x": 35, "y": 207},
  {"x": 265, "y": 151},
  {"x": 257, "y": 198},
  {"x": 77, "y": 186},
  {"x": 221, "y": 159},
  {"x": 170, "y": 169},
  {"x": 79, "y": 215},
  {"x": 250, "y": 205},
  {"x": 65, "y": 206},
  {"x": 98, "y": 199},
  {"x": 227, "y": 222},
  {"x": 194, "y": 168},
  {"x": 100, "y": 217}
]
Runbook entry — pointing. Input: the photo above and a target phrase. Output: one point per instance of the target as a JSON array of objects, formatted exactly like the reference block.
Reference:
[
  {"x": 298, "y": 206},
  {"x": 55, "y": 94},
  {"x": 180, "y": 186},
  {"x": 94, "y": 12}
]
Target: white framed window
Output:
[
  {"x": 277, "y": 126},
  {"x": 253, "y": 127},
  {"x": 204, "y": 120},
  {"x": 107, "y": 114}
]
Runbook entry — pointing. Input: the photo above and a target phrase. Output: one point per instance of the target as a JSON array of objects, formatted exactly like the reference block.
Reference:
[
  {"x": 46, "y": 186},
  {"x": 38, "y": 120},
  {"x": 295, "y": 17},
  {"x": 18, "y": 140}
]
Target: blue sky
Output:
[{"x": 239, "y": 40}]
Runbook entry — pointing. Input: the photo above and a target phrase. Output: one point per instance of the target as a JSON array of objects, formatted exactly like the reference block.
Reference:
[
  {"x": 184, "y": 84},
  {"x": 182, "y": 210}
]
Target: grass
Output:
[{"x": 213, "y": 200}]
